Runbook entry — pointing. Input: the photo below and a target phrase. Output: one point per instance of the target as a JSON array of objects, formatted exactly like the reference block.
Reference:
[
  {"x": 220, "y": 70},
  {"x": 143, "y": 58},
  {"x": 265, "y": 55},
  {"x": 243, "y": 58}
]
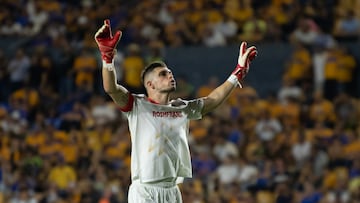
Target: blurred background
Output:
[{"x": 291, "y": 135}]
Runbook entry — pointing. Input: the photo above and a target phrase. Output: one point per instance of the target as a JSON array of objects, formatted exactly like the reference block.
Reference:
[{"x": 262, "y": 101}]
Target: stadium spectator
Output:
[
  {"x": 267, "y": 128},
  {"x": 84, "y": 68},
  {"x": 18, "y": 69},
  {"x": 289, "y": 89},
  {"x": 322, "y": 110},
  {"x": 305, "y": 33},
  {"x": 132, "y": 65},
  {"x": 99, "y": 150},
  {"x": 347, "y": 27},
  {"x": 63, "y": 176},
  {"x": 298, "y": 67},
  {"x": 254, "y": 29}
]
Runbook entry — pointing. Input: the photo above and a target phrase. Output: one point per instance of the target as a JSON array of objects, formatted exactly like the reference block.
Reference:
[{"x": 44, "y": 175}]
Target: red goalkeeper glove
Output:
[
  {"x": 246, "y": 55},
  {"x": 107, "y": 42}
]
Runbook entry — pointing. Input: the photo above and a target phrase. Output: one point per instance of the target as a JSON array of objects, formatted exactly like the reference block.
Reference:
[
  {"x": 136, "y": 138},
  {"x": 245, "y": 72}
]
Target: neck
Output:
[{"x": 159, "y": 98}]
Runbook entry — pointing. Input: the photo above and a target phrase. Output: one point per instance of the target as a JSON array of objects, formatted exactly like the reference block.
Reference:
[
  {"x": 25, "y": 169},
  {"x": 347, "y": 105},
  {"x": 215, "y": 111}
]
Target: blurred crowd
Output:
[
  {"x": 179, "y": 22},
  {"x": 63, "y": 140}
]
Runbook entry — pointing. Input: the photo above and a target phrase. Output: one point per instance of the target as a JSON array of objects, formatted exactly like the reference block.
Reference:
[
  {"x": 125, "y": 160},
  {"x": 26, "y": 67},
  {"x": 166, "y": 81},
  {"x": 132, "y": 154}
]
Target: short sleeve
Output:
[{"x": 194, "y": 108}]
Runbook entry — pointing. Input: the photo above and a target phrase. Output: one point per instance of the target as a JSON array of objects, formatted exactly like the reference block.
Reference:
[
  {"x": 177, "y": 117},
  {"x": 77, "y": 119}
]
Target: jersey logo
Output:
[{"x": 167, "y": 114}]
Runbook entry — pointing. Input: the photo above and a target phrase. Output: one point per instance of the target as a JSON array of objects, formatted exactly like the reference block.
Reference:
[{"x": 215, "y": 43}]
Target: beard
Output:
[{"x": 169, "y": 90}]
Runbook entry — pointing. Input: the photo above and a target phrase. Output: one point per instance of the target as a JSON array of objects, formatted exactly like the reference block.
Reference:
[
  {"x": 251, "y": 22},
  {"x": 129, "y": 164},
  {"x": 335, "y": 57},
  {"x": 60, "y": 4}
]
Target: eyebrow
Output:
[{"x": 164, "y": 71}]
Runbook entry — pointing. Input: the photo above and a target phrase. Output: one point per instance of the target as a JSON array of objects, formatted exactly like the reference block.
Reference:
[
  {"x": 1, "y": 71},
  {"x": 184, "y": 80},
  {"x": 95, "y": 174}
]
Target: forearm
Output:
[
  {"x": 218, "y": 96},
  {"x": 118, "y": 93},
  {"x": 221, "y": 93},
  {"x": 107, "y": 43},
  {"x": 109, "y": 79}
]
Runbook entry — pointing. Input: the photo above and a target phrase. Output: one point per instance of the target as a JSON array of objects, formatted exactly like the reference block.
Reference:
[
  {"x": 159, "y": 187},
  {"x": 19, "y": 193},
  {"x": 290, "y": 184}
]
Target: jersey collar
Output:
[{"x": 152, "y": 101}]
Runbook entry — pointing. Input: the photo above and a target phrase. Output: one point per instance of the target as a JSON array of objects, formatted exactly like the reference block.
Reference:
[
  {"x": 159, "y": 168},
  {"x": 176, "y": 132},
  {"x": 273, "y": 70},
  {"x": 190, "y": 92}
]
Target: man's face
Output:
[{"x": 163, "y": 80}]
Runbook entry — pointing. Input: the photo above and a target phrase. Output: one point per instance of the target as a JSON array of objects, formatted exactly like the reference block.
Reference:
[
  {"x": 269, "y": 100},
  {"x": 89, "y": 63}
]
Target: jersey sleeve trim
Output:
[{"x": 129, "y": 104}]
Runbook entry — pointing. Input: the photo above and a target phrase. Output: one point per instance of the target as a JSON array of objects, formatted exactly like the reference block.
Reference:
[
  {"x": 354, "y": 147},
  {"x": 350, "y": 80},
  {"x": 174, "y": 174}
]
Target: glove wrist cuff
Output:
[
  {"x": 233, "y": 79},
  {"x": 107, "y": 52},
  {"x": 108, "y": 66}
]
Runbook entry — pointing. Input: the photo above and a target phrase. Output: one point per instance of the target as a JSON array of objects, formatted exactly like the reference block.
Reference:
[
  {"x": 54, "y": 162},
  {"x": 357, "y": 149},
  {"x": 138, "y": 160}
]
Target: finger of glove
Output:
[
  {"x": 107, "y": 24},
  {"x": 117, "y": 37},
  {"x": 103, "y": 33},
  {"x": 243, "y": 47},
  {"x": 243, "y": 59},
  {"x": 251, "y": 52},
  {"x": 252, "y": 55},
  {"x": 242, "y": 50},
  {"x": 99, "y": 32}
]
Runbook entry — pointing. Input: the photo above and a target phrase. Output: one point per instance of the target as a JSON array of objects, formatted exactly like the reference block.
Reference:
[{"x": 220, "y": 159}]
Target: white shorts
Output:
[{"x": 162, "y": 192}]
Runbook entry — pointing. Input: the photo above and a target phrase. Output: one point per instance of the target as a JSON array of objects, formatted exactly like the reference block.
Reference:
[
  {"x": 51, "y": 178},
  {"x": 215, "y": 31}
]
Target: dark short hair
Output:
[{"x": 151, "y": 67}]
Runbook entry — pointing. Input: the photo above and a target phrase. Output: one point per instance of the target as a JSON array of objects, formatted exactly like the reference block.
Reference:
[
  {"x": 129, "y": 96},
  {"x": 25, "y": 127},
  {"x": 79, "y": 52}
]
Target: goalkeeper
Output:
[{"x": 160, "y": 156}]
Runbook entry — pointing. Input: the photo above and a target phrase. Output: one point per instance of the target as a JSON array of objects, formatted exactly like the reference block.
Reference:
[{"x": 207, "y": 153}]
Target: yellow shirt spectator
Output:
[
  {"x": 69, "y": 151},
  {"x": 352, "y": 148},
  {"x": 291, "y": 114},
  {"x": 179, "y": 6},
  {"x": 329, "y": 181},
  {"x": 239, "y": 13},
  {"x": 254, "y": 29},
  {"x": 133, "y": 64},
  {"x": 93, "y": 140},
  {"x": 49, "y": 6},
  {"x": 5, "y": 152},
  {"x": 332, "y": 178},
  {"x": 48, "y": 149},
  {"x": 265, "y": 197},
  {"x": 30, "y": 96},
  {"x": 84, "y": 67},
  {"x": 321, "y": 109},
  {"x": 194, "y": 18},
  {"x": 309, "y": 136},
  {"x": 299, "y": 64},
  {"x": 63, "y": 176},
  {"x": 347, "y": 65},
  {"x": 117, "y": 150},
  {"x": 331, "y": 66},
  {"x": 214, "y": 16},
  {"x": 282, "y": 16},
  {"x": 36, "y": 139},
  {"x": 321, "y": 131}
]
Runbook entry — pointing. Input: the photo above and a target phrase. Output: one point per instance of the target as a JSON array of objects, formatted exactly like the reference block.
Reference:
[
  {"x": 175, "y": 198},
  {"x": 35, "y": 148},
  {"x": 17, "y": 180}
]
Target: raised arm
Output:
[
  {"x": 107, "y": 46},
  {"x": 221, "y": 93}
]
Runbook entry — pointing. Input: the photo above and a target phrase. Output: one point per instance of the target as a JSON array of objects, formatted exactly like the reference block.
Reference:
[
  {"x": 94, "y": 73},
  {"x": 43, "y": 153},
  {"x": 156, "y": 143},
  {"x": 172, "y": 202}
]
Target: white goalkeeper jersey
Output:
[{"x": 159, "y": 133}]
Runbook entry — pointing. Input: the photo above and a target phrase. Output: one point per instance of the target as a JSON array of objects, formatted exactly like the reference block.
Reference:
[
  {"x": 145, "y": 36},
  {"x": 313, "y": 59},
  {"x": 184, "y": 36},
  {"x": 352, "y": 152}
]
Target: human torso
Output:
[{"x": 159, "y": 138}]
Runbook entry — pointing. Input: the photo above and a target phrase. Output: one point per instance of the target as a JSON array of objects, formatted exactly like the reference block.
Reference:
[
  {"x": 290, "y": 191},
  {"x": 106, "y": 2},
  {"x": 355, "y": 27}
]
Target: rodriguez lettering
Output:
[{"x": 171, "y": 114}]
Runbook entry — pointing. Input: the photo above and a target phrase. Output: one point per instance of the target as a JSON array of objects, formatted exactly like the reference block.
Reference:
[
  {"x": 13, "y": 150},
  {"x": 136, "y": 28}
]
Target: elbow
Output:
[{"x": 210, "y": 105}]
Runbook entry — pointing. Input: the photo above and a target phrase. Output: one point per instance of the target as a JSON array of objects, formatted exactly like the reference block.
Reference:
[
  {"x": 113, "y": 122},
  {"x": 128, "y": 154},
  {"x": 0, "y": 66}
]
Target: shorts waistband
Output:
[{"x": 163, "y": 184}]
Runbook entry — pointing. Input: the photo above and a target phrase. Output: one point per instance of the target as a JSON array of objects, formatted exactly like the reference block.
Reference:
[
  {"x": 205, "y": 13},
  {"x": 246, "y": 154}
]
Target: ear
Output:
[{"x": 149, "y": 84}]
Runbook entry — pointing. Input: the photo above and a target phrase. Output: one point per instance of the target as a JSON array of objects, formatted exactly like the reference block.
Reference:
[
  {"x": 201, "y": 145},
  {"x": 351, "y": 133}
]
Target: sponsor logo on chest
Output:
[{"x": 167, "y": 114}]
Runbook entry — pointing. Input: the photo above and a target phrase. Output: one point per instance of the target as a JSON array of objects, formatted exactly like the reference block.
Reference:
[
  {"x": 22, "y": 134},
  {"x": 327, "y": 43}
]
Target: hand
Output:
[
  {"x": 107, "y": 42},
  {"x": 246, "y": 55}
]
